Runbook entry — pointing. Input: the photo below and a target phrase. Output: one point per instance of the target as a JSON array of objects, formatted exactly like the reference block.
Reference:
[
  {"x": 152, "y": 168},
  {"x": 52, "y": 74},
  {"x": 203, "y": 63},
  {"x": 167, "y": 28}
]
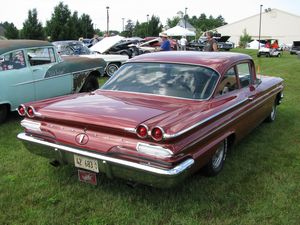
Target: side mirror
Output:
[{"x": 258, "y": 82}]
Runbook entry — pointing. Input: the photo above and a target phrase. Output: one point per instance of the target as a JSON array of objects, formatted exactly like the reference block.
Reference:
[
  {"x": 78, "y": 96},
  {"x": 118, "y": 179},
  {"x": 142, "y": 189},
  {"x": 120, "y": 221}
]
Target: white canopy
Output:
[{"x": 179, "y": 31}]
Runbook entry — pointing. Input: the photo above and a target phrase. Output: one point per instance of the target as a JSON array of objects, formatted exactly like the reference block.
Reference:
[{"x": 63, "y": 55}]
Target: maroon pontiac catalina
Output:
[{"x": 159, "y": 118}]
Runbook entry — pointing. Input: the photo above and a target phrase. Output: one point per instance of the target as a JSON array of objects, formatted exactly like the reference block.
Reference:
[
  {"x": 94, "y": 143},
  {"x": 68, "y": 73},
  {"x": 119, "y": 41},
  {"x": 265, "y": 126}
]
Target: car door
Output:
[
  {"x": 16, "y": 79},
  {"x": 254, "y": 112},
  {"x": 40, "y": 60}
]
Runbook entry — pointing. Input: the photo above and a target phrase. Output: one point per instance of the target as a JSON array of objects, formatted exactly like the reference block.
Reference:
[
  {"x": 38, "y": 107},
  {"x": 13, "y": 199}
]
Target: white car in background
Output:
[{"x": 113, "y": 62}]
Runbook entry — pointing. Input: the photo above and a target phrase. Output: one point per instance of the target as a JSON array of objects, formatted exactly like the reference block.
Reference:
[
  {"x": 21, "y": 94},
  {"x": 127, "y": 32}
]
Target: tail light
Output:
[
  {"x": 22, "y": 110},
  {"x": 30, "y": 111},
  {"x": 157, "y": 133},
  {"x": 142, "y": 131}
]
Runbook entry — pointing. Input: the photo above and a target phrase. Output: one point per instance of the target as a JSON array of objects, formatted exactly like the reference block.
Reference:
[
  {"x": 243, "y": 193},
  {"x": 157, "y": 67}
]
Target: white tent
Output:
[
  {"x": 254, "y": 45},
  {"x": 178, "y": 31}
]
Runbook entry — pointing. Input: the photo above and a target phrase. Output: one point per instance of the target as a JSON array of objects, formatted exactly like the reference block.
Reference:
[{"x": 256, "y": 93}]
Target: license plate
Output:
[
  {"x": 87, "y": 177},
  {"x": 86, "y": 163}
]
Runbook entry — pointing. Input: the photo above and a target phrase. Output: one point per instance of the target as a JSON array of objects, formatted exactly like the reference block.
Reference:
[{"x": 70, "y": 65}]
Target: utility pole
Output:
[
  {"x": 259, "y": 32},
  {"x": 107, "y": 20}
]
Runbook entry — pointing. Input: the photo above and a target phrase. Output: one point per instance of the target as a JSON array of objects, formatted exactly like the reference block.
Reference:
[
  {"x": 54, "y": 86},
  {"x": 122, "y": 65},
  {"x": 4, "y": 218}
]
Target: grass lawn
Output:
[{"x": 260, "y": 183}]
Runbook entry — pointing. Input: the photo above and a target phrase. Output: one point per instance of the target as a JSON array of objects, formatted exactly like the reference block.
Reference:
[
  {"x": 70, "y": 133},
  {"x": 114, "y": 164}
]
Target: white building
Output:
[{"x": 275, "y": 24}]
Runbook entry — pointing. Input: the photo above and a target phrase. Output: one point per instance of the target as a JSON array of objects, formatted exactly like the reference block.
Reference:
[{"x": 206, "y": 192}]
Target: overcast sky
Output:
[{"x": 16, "y": 11}]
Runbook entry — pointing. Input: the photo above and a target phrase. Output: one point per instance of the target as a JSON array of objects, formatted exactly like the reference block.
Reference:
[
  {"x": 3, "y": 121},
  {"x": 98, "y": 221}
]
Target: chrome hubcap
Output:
[
  {"x": 218, "y": 156},
  {"x": 273, "y": 113}
]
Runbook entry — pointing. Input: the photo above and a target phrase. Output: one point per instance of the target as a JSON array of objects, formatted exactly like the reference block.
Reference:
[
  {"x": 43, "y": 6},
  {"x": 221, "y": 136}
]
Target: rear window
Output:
[{"x": 176, "y": 80}]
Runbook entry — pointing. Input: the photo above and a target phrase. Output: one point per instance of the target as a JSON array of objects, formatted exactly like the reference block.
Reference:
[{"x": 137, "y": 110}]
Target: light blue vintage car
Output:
[{"x": 32, "y": 70}]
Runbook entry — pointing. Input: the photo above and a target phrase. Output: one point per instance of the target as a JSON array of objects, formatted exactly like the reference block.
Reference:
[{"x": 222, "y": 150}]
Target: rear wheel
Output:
[
  {"x": 216, "y": 163},
  {"x": 111, "y": 69},
  {"x": 272, "y": 116},
  {"x": 91, "y": 84},
  {"x": 3, "y": 113}
]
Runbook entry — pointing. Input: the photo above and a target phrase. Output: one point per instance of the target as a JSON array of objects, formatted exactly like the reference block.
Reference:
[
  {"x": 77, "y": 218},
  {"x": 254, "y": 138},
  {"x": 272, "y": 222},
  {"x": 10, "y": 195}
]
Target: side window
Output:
[
  {"x": 244, "y": 74},
  {"x": 12, "y": 61},
  {"x": 228, "y": 82},
  {"x": 40, "y": 56},
  {"x": 52, "y": 55}
]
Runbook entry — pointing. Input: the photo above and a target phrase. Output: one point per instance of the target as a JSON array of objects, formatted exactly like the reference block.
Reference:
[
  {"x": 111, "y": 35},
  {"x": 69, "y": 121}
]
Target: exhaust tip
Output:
[{"x": 55, "y": 163}]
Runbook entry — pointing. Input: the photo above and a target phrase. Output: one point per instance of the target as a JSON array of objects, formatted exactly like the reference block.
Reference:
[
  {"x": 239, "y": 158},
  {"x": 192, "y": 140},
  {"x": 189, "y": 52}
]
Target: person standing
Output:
[
  {"x": 165, "y": 45},
  {"x": 183, "y": 43},
  {"x": 211, "y": 44}
]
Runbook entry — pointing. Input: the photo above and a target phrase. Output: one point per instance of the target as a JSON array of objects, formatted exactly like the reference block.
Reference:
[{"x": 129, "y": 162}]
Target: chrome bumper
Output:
[{"x": 112, "y": 167}]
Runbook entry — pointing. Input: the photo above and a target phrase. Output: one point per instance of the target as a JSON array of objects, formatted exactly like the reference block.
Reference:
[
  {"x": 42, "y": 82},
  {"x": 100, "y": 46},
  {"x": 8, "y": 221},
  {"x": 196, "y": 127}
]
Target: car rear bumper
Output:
[{"x": 112, "y": 167}]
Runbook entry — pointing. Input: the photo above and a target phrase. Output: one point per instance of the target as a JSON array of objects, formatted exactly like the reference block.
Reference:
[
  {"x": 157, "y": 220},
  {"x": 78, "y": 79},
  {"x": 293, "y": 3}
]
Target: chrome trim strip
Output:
[
  {"x": 148, "y": 94},
  {"x": 168, "y": 136},
  {"x": 56, "y": 147},
  {"x": 232, "y": 120},
  {"x": 57, "y": 76}
]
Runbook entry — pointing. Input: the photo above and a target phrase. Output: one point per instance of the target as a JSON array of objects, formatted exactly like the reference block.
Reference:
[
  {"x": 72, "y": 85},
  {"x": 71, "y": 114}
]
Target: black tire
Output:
[
  {"x": 267, "y": 54},
  {"x": 3, "y": 113},
  {"x": 279, "y": 55},
  {"x": 272, "y": 116},
  {"x": 258, "y": 55},
  {"x": 216, "y": 163},
  {"x": 91, "y": 84},
  {"x": 111, "y": 69}
]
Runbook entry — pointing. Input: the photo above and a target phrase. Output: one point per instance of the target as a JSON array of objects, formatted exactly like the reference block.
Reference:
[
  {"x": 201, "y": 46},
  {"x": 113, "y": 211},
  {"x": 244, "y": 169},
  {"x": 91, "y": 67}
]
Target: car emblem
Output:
[{"x": 82, "y": 138}]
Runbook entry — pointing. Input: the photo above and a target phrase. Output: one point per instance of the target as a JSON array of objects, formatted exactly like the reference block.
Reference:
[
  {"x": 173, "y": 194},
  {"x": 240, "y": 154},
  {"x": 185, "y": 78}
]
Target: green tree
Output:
[
  {"x": 86, "y": 27},
  {"x": 141, "y": 29},
  {"x": 151, "y": 28},
  {"x": 244, "y": 39},
  {"x": 32, "y": 28},
  {"x": 173, "y": 22},
  {"x": 129, "y": 28},
  {"x": 10, "y": 31},
  {"x": 154, "y": 26},
  {"x": 58, "y": 26}
]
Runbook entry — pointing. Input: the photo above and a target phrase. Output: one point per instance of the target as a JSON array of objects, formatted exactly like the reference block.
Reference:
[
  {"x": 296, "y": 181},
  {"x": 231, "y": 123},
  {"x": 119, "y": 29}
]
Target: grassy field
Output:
[{"x": 260, "y": 183}]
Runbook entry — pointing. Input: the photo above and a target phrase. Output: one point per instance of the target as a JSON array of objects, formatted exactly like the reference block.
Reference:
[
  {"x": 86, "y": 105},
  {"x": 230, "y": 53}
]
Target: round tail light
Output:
[
  {"x": 142, "y": 131},
  {"x": 30, "y": 111},
  {"x": 157, "y": 133},
  {"x": 22, "y": 110}
]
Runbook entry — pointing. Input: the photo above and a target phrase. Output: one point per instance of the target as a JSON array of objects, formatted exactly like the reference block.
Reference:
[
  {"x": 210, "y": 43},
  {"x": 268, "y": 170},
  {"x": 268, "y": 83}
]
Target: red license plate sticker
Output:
[{"x": 87, "y": 177}]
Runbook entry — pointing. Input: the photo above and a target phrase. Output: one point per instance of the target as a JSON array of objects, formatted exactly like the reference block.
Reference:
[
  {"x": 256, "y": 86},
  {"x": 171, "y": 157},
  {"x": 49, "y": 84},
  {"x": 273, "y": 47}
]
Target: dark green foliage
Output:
[
  {"x": 129, "y": 28},
  {"x": 85, "y": 26},
  {"x": 57, "y": 27},
  {"x": 173, "y": 22},
  {"x": 148, "y": 29},
  {"x": 11, "y": 32},
  {"x": 201, "y": 23},
  {"x": 64, "y": 25},
  {"x": 244, "y": 39},
  {"x": 32, "y": 28}
]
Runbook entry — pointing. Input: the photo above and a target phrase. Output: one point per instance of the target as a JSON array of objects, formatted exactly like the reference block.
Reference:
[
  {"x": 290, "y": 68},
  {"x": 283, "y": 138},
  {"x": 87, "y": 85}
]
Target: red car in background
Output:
[
  {"x": 158, "y": 41},
  {"x": 160, "y": 118}
]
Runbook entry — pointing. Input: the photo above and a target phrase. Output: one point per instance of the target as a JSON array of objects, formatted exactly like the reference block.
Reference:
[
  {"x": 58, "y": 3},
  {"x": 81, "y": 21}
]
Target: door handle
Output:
[{"x": 251, "y": 98}]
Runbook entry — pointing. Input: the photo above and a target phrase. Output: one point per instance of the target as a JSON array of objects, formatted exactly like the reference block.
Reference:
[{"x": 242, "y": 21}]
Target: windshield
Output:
[{"x": 176, "y": 80}]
